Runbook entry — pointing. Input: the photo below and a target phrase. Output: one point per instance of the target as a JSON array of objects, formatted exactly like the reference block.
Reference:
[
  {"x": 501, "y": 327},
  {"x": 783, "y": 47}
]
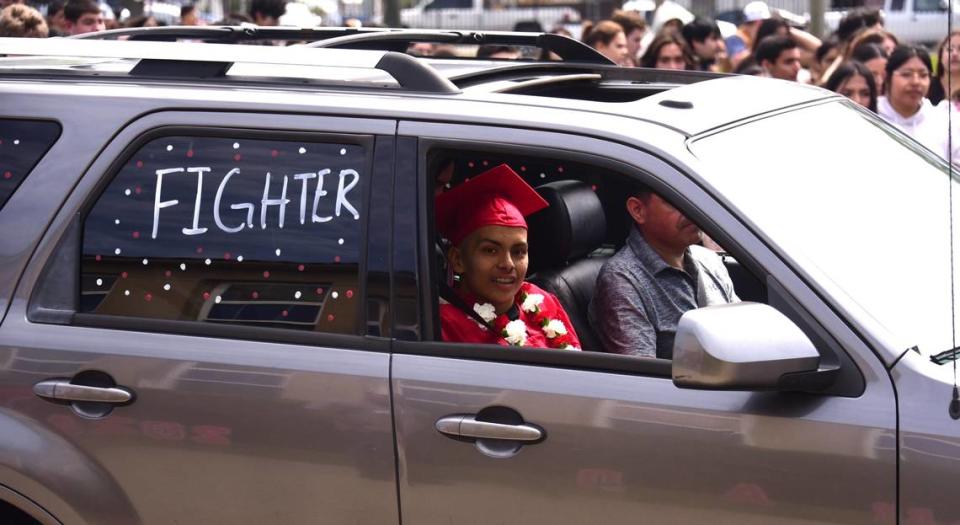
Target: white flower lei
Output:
[{"x": 516, "y": 332}]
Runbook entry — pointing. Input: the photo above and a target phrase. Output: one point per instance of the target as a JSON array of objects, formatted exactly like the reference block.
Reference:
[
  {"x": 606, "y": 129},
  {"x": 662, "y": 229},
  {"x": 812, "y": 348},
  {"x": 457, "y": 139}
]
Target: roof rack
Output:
[
  {"x": 223, "y": 34},
  {"x": 606, "y": 72},
  {"x": 568, "y": 49},
  {"x": 207, "y": 61},
  {"x": 376, "y": 39}
]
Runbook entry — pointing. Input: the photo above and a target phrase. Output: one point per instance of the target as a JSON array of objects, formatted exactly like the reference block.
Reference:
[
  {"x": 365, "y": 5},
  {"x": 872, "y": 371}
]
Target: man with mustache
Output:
[{"x": 659, "y": 274}]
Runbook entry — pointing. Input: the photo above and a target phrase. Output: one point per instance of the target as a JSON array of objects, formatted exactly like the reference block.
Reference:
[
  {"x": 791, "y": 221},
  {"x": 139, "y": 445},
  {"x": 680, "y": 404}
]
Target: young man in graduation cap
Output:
[{"x": 491, "y": 303}]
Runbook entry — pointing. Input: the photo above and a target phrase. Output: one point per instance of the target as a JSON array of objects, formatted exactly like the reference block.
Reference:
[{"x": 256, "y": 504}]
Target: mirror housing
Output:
[{"x": 742, "y": 346}]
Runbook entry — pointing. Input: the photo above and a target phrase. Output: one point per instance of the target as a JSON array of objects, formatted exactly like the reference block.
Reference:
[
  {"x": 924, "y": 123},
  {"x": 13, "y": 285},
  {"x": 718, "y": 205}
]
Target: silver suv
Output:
[{"x": 219, "y": 293}]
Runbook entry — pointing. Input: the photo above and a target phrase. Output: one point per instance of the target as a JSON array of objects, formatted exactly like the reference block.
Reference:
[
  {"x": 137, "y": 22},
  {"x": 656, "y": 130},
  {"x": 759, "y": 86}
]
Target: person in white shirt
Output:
[{"x": 905, "y": 104}]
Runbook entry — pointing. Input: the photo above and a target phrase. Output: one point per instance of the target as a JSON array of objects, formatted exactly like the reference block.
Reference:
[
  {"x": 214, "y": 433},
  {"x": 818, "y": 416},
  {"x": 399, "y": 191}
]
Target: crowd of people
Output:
[{"x": 861, "y": 60}]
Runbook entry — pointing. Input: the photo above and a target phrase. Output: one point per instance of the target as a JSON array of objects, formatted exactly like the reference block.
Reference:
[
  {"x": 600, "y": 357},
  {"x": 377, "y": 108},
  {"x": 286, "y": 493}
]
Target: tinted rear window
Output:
[{"x": 22, "y": 144}]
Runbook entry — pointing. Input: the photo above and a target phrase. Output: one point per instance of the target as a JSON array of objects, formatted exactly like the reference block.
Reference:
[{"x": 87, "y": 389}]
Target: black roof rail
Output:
[
  {"x": 377, "y": 39},
  {"x": 607, "y": 72},
  {"x": 205, "y": 61},
  {"x": 568, "y": 49},
  {"x": 224, "y": 34}
]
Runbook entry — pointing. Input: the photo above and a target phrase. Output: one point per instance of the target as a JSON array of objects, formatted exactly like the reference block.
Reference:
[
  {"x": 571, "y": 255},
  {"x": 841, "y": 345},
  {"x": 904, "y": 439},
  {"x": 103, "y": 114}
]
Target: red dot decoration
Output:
[
  {"x": 7, "y": 175},
  {"x": 199, "y": 249},
  {"x": 470, "y": 164},
  {"x": 139, "y": 163},
  {"x": 336, "y": 258},
  {"x": 594, "y": 187},
  {"x": 274, "y": 153},
  {"x": 300, "y": 268},
  {"x": 330, "y": 317},
  {"x": 167, "y": 273},
  {"x": 284, "y": 313},
  {"x": 319, "y": 291},
  {"x": 523, "y": 168},
  {"x": 148, "y": 297},
  {"x": 560, "y": 169},
  {"x": 97, "y": 258},
  {"x": 237, "y": 157},
  {"x": 138, "y": 190},
  {"x": 349, "y": 294},
  {"x": 190, "y": 153},
  {"x": 123, "y": 275},
  {"x": 227, "y": 256},
  {"x": 266, "y": 275},
  {"x": 135, "y": 235},
  {"x": 255, "y": 295},
  {"x": 206, "y": 296},
  {"x": 485, "y": 163}
]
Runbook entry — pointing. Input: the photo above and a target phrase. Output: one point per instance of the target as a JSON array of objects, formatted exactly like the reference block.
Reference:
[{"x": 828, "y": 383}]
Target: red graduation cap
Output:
[{"x": 496, "y": 197}]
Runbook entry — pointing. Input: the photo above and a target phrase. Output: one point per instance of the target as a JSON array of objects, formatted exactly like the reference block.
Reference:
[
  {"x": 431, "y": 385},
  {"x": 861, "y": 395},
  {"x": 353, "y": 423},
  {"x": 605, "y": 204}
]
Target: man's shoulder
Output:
[{"x": 707, "y": 258}]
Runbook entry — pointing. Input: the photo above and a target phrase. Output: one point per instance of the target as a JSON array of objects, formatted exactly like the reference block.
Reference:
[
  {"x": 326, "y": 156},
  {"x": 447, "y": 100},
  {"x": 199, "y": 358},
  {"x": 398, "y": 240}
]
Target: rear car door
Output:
[
  {"x": 191, "y": 341},
  {"x": 618, "y": 442}
]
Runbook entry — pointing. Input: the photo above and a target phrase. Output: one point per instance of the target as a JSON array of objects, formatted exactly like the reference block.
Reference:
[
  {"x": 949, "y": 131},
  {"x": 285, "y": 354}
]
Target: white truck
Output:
[
  {"x": 485, "y": 15},
  {"x": 916, "y": 21}
]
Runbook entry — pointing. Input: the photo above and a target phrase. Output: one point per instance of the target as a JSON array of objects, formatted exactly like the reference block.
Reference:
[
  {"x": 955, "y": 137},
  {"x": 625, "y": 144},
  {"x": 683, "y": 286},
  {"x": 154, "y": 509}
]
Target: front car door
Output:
[
  {"x": 621, "y": 443},
  {"x": 212, "y": 268}
]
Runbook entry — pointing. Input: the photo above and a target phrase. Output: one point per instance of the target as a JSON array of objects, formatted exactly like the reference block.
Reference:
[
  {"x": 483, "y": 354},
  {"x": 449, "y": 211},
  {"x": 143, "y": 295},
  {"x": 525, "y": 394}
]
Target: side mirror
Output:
[{"x": 742, "y": 346}]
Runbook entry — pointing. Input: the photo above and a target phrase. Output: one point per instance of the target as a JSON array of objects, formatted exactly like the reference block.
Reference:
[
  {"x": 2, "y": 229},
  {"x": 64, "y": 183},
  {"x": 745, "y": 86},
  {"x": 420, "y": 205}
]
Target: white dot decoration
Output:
[
  {"x": 16, "y": 142},
  {"x": 166, "y": 286},
  {"x": 183, "y": 267},
  {"x": 99, "y": 282},
  {"x": 116, "y": 221},
  {"x": 169, "y": 147},
  {"x": 236, "y": 145},
  {"x": 302, "y": 150},
  {"x": 297, "y": 295},
  {"x": 146, "y": 262},
  {"x": 126, "y": 292},
  {"x": 239, "y": 258},
  {"x": 217, "y": 300},
  {"x": 116, "y": 251},
  {"x": 127, "y": 192},
  {"x": 343, "y": 151},
  {"x": 543, "y": 175},
  {"x": 277, "y": 251},
  {"x": 207, "y": 262},
  {"x": 334, "y": 295},
  {"x": 340, "y": 241}
]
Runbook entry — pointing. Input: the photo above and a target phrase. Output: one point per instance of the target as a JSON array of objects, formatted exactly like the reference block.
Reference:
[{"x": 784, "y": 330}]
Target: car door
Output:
[
  {"x": 611, "y": 438},
  {"x": 191, "y": 340}
]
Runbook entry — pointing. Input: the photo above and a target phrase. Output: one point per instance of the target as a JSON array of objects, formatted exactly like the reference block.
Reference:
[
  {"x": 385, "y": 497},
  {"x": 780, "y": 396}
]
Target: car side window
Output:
[
  {"x": 585, "y": 224},
  {"x": 230, "y": 230},
  {"x": 22, "y": 144}
]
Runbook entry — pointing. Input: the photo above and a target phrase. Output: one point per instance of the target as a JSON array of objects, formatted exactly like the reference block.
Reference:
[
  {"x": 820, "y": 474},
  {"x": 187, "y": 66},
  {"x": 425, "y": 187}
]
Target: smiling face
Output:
[{"x": 492, "y": 263}]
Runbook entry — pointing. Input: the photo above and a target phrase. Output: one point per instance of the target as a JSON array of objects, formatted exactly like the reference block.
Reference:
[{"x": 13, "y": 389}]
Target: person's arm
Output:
[
  {"x": 805, "y": 40},
  {"x": 619, "y": 318}
]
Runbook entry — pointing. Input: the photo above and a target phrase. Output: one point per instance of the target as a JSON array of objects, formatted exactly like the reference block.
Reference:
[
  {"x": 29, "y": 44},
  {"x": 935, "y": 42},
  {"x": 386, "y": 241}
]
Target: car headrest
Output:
[{"x": 571, "y": 227}]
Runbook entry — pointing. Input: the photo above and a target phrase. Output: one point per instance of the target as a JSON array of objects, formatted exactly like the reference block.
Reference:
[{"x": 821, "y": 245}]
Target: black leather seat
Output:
[{"x": 561, "y": 237}]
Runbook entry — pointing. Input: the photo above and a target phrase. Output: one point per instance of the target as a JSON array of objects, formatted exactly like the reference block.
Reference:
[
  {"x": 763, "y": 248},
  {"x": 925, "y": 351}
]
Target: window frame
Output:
[
  {"x": 67, "y": 256},
  {"x": 656, "y": 174}
]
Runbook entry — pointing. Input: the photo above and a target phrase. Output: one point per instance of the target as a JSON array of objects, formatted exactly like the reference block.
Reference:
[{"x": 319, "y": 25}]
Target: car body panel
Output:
[
  {"x": 220, "y": 429},
  {"x": 619, "y": 446}
]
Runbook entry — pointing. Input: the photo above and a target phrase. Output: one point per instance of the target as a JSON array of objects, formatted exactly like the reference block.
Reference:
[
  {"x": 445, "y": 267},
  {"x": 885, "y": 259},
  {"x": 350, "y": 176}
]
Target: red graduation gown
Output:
[{"x": 459, "y": 327}]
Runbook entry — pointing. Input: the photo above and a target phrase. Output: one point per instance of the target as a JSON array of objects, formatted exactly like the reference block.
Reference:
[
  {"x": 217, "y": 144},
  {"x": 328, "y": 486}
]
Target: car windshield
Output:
[{"x": 861, "y": 205}]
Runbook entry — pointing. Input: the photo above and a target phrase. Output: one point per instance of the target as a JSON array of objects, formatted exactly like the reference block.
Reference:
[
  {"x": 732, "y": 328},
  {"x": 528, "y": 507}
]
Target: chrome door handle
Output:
[
  {"x": 63, "y": 390},
  {"x": 468, "y": 427}
]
